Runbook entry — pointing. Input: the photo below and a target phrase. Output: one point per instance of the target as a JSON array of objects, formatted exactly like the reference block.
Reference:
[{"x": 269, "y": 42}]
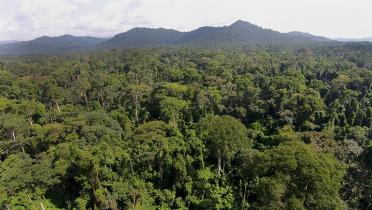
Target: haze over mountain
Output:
[
  {"x": 8, "y": 41},
  {"x": 240, "y": 33},
  {"x": 366, "y": 39}
]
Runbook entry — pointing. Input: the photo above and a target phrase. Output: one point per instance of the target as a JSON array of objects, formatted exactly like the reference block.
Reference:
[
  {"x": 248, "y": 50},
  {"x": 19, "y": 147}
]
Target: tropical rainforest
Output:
[{"x": 180, "y": 128}]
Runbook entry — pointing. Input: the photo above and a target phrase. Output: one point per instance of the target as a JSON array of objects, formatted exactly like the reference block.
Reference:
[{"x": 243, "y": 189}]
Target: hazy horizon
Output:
[{"x": 29, "y": 19}]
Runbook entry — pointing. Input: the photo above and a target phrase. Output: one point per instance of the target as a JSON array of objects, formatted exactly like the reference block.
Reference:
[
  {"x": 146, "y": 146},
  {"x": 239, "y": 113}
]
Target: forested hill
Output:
[
  {"x": 309, "y": 36},
  {"x": 143, "y": 38},
  {"x": 243, "y": 33},
  {"x": 51, "y": 45},
  {"x": 239, "y": 34}
]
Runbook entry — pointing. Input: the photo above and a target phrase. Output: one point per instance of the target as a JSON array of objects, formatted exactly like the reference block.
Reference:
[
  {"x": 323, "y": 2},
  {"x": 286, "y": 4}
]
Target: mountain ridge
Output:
[
  {"x": 310, "y": 36},
  {"x": 50, "y": 45},
  {"x": 239, "y": 33}
]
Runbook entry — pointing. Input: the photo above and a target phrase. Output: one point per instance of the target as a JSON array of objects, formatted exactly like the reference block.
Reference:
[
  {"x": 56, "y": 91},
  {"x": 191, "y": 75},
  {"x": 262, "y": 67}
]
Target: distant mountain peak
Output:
[
  {"x": 67, "y": 35},
  {"x": 240, "y": 23},
  {"x": 42, "y": 37}
]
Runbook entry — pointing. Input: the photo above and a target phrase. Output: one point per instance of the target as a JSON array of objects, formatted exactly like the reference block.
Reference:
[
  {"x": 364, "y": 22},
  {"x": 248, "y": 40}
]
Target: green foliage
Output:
[
  {"x": 295, "y": 172},
  {"x": 187, "y": 129},
  {"x": 224, "y": 136}
]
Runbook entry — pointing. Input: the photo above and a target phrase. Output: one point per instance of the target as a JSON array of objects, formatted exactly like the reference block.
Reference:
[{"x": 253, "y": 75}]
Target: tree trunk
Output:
[
  {"x": 174, "y": 118},
  {"x": 134, "y": 197},
  {"x": 161, "y": 171},
  {"x": 223, "y": 165},
  {"x": 42, "y": 206},
  {"x": 57, "y": 106},
  {"x": 13, "y": 135},
  {"x": 95, "y": 200},
  {"x": 245, "y": 191},
  {"x": 131, "y": 167},
  {"x": 33, "y": 205},
  {"x": 219, "y": 162},
  {"x": 85, "y": 98},
  {"x": 136, "y": 113},
  {"x": 136, "y": 106}
]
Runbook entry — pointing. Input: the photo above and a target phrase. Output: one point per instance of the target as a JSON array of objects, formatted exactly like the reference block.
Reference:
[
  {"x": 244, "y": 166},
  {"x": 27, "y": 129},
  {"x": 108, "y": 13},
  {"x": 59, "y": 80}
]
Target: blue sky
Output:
[{"x": 28, "y": 19}]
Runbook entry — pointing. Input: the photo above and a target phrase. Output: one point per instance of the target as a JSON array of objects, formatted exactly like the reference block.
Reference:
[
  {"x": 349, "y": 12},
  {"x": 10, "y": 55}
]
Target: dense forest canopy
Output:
[{"x": 259, "y": 128}]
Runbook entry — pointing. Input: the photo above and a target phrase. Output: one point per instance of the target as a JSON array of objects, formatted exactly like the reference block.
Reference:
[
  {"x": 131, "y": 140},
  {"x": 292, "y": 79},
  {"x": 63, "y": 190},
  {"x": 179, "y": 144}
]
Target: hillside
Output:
[
  {"x": 309, "y": 36},
  {"x": 143, "y": 38},
  {"x": 47, "y": 45},
  {"x": 240, "y": 33}
]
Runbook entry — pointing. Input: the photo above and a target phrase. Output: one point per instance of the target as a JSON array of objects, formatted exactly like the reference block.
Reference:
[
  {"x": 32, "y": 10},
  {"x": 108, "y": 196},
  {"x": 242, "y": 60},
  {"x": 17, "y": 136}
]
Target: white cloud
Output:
[
  {"x": 35, "y": 17},
  {"x": 113, "y": 17},
  {"x": 50, "y": 8},
  {"x": 82, "y": 1},
  {"x": 26, "y": 19}
]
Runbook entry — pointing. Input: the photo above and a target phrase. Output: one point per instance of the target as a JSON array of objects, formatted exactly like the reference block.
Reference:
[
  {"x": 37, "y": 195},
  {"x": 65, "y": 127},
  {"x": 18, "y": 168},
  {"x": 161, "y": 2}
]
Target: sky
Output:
[{"x": 28, "y": 19}]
